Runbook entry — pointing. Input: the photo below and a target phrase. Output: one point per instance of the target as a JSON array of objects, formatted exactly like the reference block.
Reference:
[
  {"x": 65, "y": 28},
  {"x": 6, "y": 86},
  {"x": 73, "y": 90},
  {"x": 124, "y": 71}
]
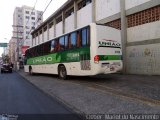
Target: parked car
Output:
[{"x": 6, "y": 68}]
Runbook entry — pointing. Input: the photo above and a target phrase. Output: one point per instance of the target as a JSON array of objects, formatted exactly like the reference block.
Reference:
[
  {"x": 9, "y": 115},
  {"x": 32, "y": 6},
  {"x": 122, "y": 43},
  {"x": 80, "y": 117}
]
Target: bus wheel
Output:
[
  {"x": 62, "y": 72},
  {"x": 30, "y": 71}
]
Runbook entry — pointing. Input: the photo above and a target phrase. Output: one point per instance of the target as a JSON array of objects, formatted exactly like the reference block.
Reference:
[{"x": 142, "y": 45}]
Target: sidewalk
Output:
[{"x": 87, "y": 100}]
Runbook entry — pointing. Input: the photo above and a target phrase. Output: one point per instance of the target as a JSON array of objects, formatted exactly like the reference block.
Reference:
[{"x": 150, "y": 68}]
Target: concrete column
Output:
[
  {"x": 38, "y": 37},
  {"x": 54, "y": 23},
  {"x": 32, "y": 40},
  {"x": 42, "y": 34},
  {"x": 123, "y": 34},
  {"x": 75, "y": 14},
  {"x": 63, "y": 22},
  {"x": 47, "y": 31},
  {"x": 93, "y": 11}
]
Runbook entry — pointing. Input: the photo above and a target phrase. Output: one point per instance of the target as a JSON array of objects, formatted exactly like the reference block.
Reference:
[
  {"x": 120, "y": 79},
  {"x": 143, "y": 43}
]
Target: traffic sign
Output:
[{"x": 3, "y": 44}]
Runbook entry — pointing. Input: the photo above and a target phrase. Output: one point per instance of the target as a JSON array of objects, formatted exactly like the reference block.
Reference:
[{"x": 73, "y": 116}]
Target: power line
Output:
[
  {"x": 44, "y": 11},
  {"x": 32, "y": 11},
  {"x": 40, "y": 16}
]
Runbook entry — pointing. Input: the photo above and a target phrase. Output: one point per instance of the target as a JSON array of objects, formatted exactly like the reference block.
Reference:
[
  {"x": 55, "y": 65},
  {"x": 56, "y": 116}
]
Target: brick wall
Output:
[{"x": 143, "y": 17}]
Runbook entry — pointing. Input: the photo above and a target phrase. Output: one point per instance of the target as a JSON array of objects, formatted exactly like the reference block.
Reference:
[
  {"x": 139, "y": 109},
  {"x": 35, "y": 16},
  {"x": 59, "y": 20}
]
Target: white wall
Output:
[
  {"x": 144, "y": 59},
  {"x": 84, "y": 16},
  {"x": 144, "y": 32},
  {"x": 51, "y": 32},
  {"x": 106, "y": 8},
  {"x": 133, "y": 3},
  {"x": 69, "y": 24},
  {"x": 36, "y": 41},
  {"x": 40, "y": 38},
  {"x": 45, "y": 36},
  {"x": 59, "y": 29}
]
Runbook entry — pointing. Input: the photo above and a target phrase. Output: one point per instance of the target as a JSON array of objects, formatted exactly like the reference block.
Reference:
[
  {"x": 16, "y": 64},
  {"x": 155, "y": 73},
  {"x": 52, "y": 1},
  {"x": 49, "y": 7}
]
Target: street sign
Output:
[{"x": 3, "y": 44}]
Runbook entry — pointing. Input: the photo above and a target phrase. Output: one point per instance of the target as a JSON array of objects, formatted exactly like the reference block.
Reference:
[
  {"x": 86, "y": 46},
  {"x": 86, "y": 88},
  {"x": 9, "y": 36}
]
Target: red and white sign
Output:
[{"x": 24, "y": 48}]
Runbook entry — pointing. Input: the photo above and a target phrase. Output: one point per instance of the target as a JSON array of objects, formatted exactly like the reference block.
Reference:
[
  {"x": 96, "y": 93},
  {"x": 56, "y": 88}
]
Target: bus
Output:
[{"x": 88, "y": 51}]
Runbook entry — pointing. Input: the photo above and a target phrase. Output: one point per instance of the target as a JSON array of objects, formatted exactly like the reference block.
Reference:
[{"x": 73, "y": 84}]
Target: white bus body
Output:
[{"x": 105, "y": 55}]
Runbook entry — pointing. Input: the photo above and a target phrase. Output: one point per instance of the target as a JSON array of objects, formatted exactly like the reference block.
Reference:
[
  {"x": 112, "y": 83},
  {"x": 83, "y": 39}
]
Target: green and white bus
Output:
[{"x": 88, "y": 51}]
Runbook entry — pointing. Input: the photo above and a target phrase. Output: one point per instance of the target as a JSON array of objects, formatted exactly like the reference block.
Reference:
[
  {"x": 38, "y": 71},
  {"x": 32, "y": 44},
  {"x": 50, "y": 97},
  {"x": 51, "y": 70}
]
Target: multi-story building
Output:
[
  {"x": 12, "y": 48},
  {"x": 138, "y": 20},
  {"x": 25, "y": 20}
]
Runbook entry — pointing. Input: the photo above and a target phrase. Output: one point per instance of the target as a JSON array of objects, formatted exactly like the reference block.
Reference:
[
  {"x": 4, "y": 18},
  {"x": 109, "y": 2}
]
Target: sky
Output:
[{"x": 6, "y": 14}]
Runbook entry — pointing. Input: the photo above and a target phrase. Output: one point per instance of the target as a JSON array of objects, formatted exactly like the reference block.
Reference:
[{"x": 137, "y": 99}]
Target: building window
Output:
[
  {"x": 33, "y": 13},
  {"x": 59, "y": 19},
  {"x": 27, "y": 27},
  {"x": 27, "y": 17},
  {"x": 19, "y": 10},
  {"x": 83, "y": 3},
  {"x": 33, "y": 18},
  {"x": 27, "y": 12},
  {"x": 27, "y": 37},
  {"x": 33, "y": 23},
  {"x": 69, "y": 12},
  {"x": 40, "y": 32},
  {"x": 33, "y": 28},
  {"x": 51, "y": 24},
  {"x": 27, "y": 32}
]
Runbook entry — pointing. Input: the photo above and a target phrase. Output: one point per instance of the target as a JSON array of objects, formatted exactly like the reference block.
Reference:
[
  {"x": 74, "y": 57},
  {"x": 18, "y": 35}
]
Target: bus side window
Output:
[
  {"x": 88, "y": 36},
  {"x": 56, "y": 45},
  {"x": 69, "y": 41},
  {"x": 73, "y": 40},
  {"x": 62, "y": 43},
  {"x": 84, "y": 37},
  {"x": 66, "y": 42},
  {"x": 52, "y": 46},
  {"x": 47, "y": 48},
  {"x": 78, "y": 39}
]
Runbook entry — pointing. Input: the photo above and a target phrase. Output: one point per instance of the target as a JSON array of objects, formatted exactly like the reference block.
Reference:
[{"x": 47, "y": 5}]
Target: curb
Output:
[{"x": 68, "y": 106}]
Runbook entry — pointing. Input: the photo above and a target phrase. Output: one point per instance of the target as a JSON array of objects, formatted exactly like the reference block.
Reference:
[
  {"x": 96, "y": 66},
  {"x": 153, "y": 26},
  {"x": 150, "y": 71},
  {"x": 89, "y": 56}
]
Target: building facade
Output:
[
  {"x": 138, "y": 20},
  {"x": 12, "y": 48},
  {"x": 25, "y": 20}
]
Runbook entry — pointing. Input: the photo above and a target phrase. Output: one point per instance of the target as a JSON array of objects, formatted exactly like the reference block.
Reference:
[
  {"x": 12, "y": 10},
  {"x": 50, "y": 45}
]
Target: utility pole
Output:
[{"x": 17, "y": 44}]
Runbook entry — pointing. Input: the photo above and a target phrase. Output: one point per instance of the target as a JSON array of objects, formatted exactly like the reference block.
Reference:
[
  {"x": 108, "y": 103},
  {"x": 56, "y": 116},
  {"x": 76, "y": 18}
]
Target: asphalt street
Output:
[{"x": 19, "y": 97}]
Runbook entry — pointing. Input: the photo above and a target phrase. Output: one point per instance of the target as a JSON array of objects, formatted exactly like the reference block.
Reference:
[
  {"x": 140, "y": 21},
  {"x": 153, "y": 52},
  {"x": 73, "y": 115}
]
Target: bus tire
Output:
[
  {"x": 30, "y": 70},
  {"x": 62, "y": 72}
]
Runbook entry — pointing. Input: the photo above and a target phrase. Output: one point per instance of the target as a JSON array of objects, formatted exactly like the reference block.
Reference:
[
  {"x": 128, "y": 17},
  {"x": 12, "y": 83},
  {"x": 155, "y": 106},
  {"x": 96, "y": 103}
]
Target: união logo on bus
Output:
[
  {"x": 42, "y": 60},
  {"x": 109, "y": 43}
]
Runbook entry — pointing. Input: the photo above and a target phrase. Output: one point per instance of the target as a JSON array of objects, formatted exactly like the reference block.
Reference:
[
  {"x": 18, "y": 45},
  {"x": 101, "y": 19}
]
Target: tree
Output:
[{"x": 5, "y": 58}]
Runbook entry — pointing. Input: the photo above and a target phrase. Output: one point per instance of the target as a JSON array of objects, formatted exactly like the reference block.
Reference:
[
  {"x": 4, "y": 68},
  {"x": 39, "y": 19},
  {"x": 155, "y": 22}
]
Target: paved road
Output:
[
  {"x": 81, "y": 94},
  {"x": 17, "y": 96}
]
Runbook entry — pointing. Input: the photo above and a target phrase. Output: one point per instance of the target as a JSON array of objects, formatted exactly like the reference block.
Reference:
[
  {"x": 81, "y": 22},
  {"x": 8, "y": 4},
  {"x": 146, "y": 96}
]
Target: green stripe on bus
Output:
[
  {"x": 110, "y": 57},
  {"x": 74, "y": 55}
]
